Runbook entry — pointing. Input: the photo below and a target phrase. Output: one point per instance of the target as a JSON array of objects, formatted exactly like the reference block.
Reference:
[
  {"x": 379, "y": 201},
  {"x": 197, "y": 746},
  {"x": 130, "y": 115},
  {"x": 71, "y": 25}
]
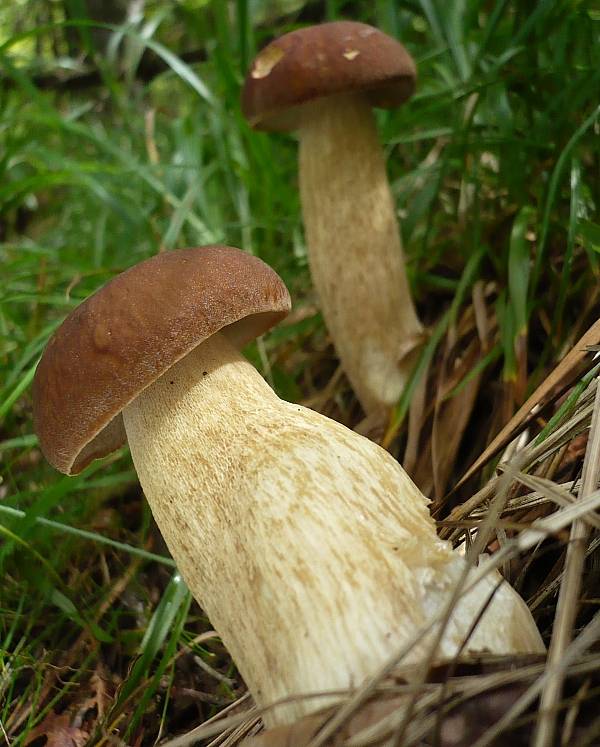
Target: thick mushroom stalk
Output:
[
  {"x": 354, "y": 248},
  {"x": 322, "y": 81},
  {"x": 310, "y": 549}
]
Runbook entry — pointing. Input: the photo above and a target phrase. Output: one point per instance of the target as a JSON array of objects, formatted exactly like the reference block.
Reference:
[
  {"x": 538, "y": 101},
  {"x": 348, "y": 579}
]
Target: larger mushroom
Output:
[
  {"x": 310, "y": 549},
  {"x": 323, "y": 82}
]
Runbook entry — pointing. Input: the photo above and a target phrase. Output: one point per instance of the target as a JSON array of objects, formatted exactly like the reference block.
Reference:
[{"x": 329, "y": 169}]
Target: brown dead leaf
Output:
[
  {"x": 472, "y": 697},
  {"x": 452, "y": 411},
  {"x": 417, "y": 415},
  {"x": 422, "y": 474},
  {"x": 295, "y": 735},
  {"x": 304, "y": 731},
  {"x": 58, "y": 731},
  {"x": 464, "y": 348}
]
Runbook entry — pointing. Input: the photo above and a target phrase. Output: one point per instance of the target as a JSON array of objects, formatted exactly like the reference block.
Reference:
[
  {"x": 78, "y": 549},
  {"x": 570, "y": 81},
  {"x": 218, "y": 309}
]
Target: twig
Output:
[{"x": 568, "y": 597}]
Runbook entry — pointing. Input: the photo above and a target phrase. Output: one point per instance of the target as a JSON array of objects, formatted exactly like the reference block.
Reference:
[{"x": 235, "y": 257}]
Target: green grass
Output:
[{"x": 495, "y": 168}]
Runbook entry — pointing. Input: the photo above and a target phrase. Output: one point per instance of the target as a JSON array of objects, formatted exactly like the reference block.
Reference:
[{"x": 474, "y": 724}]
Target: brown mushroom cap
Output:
[
  {"x": 318, "y": 61},
  {"x": 131, "y": 331}
]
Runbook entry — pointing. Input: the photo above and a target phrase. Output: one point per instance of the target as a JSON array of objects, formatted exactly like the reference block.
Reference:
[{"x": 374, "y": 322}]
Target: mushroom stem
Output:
[
  {"x": 309, "y": 548},
  {"x": 354, "y": 248}
]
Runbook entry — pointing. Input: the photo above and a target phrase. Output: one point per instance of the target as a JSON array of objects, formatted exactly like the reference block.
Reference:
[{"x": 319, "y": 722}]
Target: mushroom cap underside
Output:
[
  {"x": 132, "y": 330},
  {"x": 324, "y": 60}
]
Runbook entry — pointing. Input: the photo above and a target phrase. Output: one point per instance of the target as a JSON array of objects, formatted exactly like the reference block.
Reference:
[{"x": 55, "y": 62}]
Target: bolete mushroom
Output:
[
  {"x": 323, "y": 82},
  {"x": 308, "y": 546}
]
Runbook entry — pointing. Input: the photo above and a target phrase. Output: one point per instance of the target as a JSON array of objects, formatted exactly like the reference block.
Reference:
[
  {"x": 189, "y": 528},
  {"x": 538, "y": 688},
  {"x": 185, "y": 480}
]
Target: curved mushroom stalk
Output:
[
  {"x": 311, "y": 551},
  {"x": 354, "y": 248}
]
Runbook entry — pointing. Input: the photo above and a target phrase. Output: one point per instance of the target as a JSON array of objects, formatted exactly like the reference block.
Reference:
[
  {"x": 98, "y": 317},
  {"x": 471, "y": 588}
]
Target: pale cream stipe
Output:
[
  {"x": 354, "y": 248},
  {"x": 310, "y": 549}
]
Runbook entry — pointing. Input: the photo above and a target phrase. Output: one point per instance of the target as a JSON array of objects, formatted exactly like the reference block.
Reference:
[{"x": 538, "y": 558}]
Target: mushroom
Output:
[
  {"x": 323, "y": 81},
  {"x": 308, "y": 546}
]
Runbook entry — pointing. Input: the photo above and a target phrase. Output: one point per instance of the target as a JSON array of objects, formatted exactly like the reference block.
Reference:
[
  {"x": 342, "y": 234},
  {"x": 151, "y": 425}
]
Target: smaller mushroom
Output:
[
  {"x": 310, "y": 549},
  {"x": 323, "y": 82}
]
